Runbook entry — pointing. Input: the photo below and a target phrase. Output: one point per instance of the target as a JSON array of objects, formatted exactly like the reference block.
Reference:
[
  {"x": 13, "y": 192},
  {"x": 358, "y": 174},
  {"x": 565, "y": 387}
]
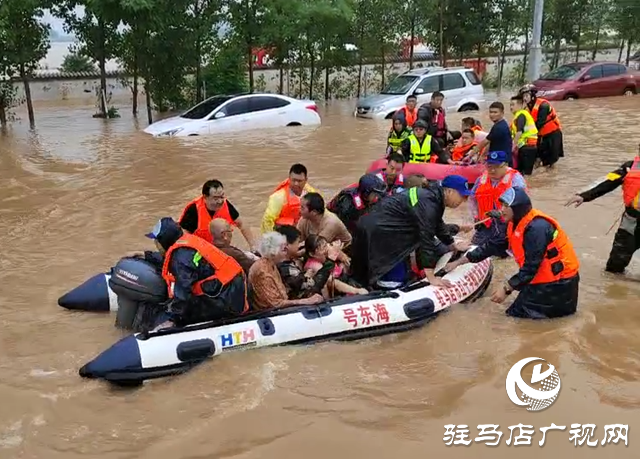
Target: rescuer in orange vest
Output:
[
  {"x": 203, "y": 282},
  {"x": 485, "y": 196},
  {"x": 627, "y": 239},
  {"x": 283, "y": 207},
  {"x": 548, "y": 279},
  {"x": 550, "y": 141},
  {"x": 212, "y": 204}
]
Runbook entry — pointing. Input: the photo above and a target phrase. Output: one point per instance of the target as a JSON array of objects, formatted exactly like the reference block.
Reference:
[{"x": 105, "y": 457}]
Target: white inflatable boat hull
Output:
[{"x": 171, "y": 351}]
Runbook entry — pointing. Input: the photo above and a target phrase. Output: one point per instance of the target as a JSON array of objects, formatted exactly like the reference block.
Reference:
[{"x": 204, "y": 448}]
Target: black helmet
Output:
[
  {"x": 420, "y": 124},
  {"x": 371, "y": 183},
  {"x": 531, "y": 89}
]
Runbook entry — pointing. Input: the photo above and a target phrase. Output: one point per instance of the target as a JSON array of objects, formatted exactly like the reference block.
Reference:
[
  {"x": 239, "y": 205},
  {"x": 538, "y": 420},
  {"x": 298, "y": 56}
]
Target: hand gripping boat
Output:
[{"x": 167, "y": 352}]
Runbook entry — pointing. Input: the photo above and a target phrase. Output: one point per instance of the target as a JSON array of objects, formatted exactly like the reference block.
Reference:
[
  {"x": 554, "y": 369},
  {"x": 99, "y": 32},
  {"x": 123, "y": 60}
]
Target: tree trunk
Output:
[
  {"x": 250, "y": 65},
  {"x": 360, "y": 65},
  {"x": 413, "y": 37},
  {"x": 134, "y": 92},
  {"x": 147, "y": 95},
  {"x": 503, "y": 50},
  {"x": 312, "y": 72},
  {"x": 102, "y": 63},
  {"x": 27, "y": 95},
  {"x": 556, "y": 53},
  {"x": 629, "y": 43},
  {"x": 327, "y": 72},
  {"x": 3, "y": 114},
  {"x": 281, "y": 79},
  {"x": 382, "y": 66},
  {"x": 620, "y": 50},
  {"x": 525, "y": 60},
  {"x": 443, "y": 52},
  {"x": 595, "y": 44},
  {"x": 199, "y": 71},
  {"x": 579, "y": 36}
]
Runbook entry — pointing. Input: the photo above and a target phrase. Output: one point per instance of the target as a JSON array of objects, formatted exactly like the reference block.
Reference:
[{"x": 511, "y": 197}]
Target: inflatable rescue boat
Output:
[
  {"x": 171, "y": 351},
  {"x": 433, "y": 171}
]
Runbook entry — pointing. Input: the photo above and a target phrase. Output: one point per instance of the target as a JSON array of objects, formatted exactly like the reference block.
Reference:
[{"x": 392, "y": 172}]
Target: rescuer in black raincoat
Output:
[
  {"x": 403, "y": 223},
  {"x": 355, "y": 201},
  {"x": 548, "y": 279}
]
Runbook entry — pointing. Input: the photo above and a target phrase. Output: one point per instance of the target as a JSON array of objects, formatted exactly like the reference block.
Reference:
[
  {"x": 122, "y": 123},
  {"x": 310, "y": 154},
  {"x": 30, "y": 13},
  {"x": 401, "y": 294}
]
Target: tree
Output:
[
  {"x": 247, "y": 21},
  {"x": 96, "y": 29},
  {"x": 75, "y": 62},
  {"x": 626, "y": 21},
  {"x": 25, "y": 42},
  {"x": 226, "y": 73}
]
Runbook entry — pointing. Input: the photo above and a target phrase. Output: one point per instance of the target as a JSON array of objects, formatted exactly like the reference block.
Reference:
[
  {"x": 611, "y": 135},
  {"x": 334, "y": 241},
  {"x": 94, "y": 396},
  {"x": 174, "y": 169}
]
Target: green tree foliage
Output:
[
  {"x": 226, "y": 73},
  {"x": 75, "y": 62},
  {"x": 25, "y": 41}
]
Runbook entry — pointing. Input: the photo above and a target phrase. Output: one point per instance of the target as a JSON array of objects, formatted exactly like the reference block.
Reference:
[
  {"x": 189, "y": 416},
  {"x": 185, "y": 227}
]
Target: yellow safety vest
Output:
[
  {"x": 394, "y": 141},
  {"x": 529, "y": 134},
  {"x": 420, "y": 154}
]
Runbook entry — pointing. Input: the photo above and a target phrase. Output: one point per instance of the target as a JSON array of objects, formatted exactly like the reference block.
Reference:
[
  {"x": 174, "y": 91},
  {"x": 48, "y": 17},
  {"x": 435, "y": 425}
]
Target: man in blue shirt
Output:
[{"x": 499, "y": 138}]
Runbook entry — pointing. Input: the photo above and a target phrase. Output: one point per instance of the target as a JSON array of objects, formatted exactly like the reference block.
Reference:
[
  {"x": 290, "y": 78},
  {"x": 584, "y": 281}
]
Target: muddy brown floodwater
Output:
[{"x": 79, "y": 193}]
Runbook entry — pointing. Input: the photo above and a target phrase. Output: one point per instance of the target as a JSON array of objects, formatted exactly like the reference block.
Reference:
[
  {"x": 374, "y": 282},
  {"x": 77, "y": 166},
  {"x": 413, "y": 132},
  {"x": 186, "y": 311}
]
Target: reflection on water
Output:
[{"x": 80, "y": 191}]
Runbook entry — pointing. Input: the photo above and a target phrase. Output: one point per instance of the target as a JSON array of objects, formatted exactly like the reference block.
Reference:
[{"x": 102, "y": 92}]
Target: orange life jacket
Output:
[
  {"x": 352, "y": 190},
  {"x": 631, "y": 185},
  {"x": 398, "y": 183},
  {"x": 476, "y": 129},
  {"x": 204, "y": 218},
  {"x": 551, "y": 124},
  {"x": 409, "y": 116},
  {"x": 487, "y": 196},
  {"x": 290, "y": 213},
  {"x": 226, "y": 267},
  {"x": 560, "y": 260},
  {"x": 459, "y": 151}
]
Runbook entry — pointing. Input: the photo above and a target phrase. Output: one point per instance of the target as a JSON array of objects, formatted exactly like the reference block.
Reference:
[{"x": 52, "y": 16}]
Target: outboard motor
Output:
[{"x": 141, "y": 292}]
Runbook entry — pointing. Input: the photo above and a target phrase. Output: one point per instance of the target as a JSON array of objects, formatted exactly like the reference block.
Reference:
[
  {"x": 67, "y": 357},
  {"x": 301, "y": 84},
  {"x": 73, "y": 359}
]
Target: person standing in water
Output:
[
  {"x": 550, "y": 139},
  {"x": 548, "y": 279},
  {"x": 212, "y": 204},
  {"x": 283, "y": 207},
  {"x": 499, "y": 137},
  {"x": 525, "y": 136},
  {"x": 626, "y": 242}
]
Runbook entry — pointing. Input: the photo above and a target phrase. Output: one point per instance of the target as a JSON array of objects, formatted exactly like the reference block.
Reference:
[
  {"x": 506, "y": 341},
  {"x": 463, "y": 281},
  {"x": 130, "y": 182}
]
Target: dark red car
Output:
[{"x": 588, "y": 79}]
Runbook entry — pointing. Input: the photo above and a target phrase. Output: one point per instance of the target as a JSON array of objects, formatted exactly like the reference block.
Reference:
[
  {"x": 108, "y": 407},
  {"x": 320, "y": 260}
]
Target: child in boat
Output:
[{"x": 316, "y": 248}]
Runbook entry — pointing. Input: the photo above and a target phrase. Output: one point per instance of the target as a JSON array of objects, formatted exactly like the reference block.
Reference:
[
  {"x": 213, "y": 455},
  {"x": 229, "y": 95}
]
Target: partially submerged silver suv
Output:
[{"x": 461, "y": 87}]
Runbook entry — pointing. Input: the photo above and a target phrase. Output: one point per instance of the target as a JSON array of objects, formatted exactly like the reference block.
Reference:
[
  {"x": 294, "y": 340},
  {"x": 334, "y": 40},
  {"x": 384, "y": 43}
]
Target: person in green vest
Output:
[
  {"x": 397, "y": 134},
  {"x": 420, "y": 147},
  {"x": 525, "y": 136}
]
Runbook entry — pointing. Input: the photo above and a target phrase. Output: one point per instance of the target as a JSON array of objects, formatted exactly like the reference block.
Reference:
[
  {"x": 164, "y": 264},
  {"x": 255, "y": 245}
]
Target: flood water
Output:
[{"x": 80, "y": 192}]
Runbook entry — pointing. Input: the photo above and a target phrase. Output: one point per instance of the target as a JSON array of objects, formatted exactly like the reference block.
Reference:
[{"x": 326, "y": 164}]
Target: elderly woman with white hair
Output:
[{"x": 269, "y": 291}]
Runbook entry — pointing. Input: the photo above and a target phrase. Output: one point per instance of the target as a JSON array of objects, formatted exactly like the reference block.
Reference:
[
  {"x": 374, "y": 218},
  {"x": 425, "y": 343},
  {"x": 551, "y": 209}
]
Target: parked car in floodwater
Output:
[
  {"x": 236, "y": 113},
  {"x": 588, "y": 79},
  {"x": 461, "y": 87}
]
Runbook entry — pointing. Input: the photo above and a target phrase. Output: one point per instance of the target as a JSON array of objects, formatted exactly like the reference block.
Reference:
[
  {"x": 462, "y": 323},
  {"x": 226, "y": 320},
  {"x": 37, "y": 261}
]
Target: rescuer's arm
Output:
[
  {"x": 185, "y": 272},
  {"x": 189, "y": 220},
  {"x": 272, "y": 212},
  {"x": 537, "y": 237},
  {"x": 543, "y": 113},
  {"x": 612, "y": 181},
  {"x": 429, "y": 223},
  {"x": 405, "y": 149}
]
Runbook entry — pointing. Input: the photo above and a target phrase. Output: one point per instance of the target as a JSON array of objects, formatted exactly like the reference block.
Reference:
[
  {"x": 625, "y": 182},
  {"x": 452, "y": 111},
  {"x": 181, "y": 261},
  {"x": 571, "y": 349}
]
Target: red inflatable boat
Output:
[{"x": 434, "y": 171}]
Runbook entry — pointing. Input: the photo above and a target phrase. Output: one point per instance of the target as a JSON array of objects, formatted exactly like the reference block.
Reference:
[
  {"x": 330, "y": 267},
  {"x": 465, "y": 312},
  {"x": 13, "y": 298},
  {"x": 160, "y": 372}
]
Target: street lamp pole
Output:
[{"x": 535, "y": 52}]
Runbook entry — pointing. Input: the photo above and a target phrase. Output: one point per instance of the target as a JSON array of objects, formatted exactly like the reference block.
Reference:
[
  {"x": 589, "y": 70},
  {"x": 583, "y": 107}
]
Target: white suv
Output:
[{"x": 461, "y": 87}]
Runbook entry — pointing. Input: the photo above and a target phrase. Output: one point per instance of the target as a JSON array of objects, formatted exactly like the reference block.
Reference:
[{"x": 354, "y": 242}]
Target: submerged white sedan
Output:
[{"x": 238, "y": 112}]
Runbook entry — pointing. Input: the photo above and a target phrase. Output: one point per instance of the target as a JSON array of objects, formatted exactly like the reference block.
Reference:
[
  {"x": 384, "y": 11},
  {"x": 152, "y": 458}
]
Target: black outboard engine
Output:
[{"x": 141, "y": 292}]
